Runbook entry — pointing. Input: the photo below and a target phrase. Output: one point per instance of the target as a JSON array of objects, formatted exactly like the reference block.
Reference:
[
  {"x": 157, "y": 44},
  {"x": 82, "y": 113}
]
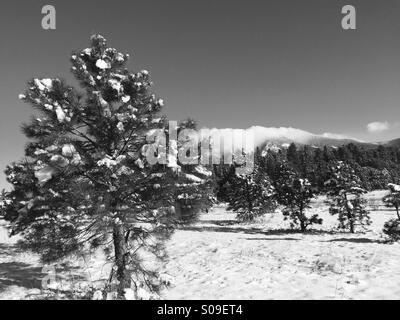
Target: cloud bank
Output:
[{"x": 376, "y": 127}]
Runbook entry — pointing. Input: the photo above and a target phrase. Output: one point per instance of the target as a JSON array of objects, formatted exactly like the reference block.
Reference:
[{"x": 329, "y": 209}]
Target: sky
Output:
[{"x": 227, "y": 64}]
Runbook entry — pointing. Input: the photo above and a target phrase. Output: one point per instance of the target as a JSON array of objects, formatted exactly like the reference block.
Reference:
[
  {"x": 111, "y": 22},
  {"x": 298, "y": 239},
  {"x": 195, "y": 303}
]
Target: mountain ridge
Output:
[{"x": 284, "y": 136}]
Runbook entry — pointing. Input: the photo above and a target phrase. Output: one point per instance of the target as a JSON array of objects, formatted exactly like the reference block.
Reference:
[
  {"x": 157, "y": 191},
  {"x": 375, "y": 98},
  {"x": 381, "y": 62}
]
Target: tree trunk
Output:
[
  {"x": 351, "y": 221},
  {"x": 303, "y": 226},
  {"x": 121, "y": 260},
  {"x": 302, "y": 219},
  {"x": 350, "y": 216}
]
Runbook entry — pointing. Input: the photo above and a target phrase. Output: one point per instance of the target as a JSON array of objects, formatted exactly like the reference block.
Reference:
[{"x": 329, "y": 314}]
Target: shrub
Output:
[{"x": 392, "y": 229}]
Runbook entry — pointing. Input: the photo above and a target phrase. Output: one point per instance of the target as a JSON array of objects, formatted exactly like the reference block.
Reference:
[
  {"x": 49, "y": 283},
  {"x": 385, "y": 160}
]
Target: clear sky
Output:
[{"x": 224, "y": 63}]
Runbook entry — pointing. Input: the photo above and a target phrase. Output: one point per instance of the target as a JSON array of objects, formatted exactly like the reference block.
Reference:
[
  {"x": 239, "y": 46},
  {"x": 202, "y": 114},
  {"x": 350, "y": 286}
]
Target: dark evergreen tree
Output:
[
  {"x": 295, "y": 194},
  {"x": 392, "y": 227},
  {"x": 392, "y": 200},
  {"x": 345, "y": 195},
  {"x": 251, "y": 195},
  {"x": 292, "y": 155},
  {"x": 223, "y": 174}
]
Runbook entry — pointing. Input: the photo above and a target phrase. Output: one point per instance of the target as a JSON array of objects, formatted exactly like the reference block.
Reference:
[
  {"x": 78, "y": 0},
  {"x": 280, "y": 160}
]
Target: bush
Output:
[{"x": 392, "y": 229}]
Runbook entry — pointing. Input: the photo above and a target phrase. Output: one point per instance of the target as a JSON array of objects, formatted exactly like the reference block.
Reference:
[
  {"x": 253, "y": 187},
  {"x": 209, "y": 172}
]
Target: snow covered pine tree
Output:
[
  {"x": 251, "y": 194},
  {"x": 345, "y": 195},
  {"x": 392, "y": 227},
  {"x": 393, "y": 198},
  {"x": 295, "y": 194},
  {"x": 85, "y": 181}
]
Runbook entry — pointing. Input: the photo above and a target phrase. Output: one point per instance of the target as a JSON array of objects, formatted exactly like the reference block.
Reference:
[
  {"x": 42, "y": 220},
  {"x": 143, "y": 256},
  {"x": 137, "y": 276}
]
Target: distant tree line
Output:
[
  {"x": 290, "y": 178},
  {"x": 375, "y": 167}
]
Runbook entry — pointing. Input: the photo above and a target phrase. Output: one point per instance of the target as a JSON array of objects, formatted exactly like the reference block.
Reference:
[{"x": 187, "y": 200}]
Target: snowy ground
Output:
[{"x": 216, "y": 258}]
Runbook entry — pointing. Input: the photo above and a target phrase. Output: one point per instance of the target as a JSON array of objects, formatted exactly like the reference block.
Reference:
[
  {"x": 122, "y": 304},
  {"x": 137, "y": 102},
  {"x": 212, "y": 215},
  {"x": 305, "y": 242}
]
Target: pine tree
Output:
[
  {"x": 295, "y": 194},
  {"x": 293, "y": 155},
  {"x": 251, "y": 195},
  {"x": 393, "y": 198},
  {"x": 320, "y": 169},
  {"x": 306, "y": 161},
  {"x": 271, "y": 160},
  {"x": 3, "y": 199},
  {"x": 87, "y": 180},
  {"x": 197, "y": 195},
  {"x": 345, "y": 195},
  {"x": 392, "y": 227},
  {"x": 223, "y": 174}
]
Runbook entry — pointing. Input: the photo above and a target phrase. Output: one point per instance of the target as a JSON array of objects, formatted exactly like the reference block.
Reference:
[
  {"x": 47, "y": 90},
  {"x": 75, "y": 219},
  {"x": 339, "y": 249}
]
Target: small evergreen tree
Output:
[
  {"x": 345, "y": 195},
  {"x": 393, "y": 198},
  {"x": 223, "y": 173},
  {"x": 392, "y": 227},
  {"x": 251, "y": 195},
  {"x": 295, "y": 194}
]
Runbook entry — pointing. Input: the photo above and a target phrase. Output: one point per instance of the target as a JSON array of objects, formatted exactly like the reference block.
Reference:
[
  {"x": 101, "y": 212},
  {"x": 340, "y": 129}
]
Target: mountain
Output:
[
  {"x": 278, "y": 138},
  {"x": 392, "y": 143},
  {"x": 283, "y": 137}
]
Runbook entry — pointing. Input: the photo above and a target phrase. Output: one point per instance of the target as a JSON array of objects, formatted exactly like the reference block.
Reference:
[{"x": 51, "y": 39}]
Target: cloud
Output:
[{"x": 375, "y": 127}]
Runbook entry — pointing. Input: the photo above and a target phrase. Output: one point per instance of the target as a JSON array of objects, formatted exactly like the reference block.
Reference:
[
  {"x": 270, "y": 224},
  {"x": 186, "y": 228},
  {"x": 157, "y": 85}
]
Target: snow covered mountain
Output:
[{"x": 282, "y": 137}]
